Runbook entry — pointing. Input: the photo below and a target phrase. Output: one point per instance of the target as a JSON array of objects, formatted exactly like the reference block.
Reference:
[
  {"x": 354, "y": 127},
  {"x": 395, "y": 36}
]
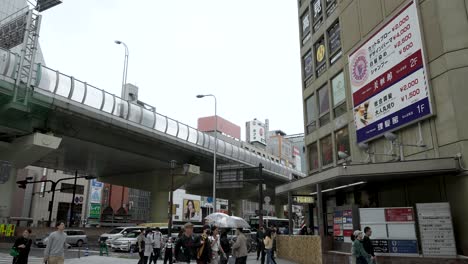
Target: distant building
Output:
[
  {"x": 298, "y": 151},
  {"x": 256, "y": 133}
]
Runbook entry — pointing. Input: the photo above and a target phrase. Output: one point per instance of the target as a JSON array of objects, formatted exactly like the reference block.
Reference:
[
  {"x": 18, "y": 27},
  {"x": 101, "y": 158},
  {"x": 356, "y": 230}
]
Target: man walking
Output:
[
  {"x": 367, "y": 243},
  {"x": 186, "y": 246},
  {"x": 157, "y": 243},
  {"x": 56, "y": 244},
  {"x": 239, "y": 249},
  {"x": 261, "y": 244}
]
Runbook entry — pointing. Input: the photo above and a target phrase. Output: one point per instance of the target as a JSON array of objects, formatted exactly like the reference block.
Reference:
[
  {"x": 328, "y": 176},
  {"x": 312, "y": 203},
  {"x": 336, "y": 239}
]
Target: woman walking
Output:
[
  {"x": 23, "y": 246},
  {"x": 141, "y": 247},
  {"x": 148, "y": 245},
  {"x": 268, "y": 242},
  {"x": 361, "y": 256}
]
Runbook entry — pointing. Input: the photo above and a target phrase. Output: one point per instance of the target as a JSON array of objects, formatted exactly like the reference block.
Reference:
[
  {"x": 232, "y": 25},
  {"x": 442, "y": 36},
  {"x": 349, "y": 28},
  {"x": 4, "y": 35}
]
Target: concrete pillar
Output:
[
  {"x": 279, "y": 209},
  {"x": 160, "y": 206},
  {"x": 7, "y": 189}
]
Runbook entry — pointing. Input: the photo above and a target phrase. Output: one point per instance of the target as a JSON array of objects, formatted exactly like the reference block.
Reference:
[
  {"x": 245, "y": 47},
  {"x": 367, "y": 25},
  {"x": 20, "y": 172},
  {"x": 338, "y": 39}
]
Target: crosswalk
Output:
[{"x": 6, "y": 259}]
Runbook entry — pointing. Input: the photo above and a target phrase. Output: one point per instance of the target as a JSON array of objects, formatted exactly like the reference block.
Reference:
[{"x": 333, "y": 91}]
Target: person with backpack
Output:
[
  {"x": 186, "y": 245},
  {"x": 157, "y": 243},
  {"x": 204, "y": 250}
]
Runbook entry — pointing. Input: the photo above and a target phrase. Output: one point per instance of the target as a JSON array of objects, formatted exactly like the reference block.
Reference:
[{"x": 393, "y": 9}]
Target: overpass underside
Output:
[{"x": 107, "y": 147}]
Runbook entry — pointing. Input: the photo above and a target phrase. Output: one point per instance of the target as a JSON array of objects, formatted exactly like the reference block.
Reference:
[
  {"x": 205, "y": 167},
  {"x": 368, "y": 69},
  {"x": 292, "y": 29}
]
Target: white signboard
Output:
[
  {"x": 389, "y": 78},
  {"x": 257, "y": 132},
  {"x": 435, "y": 226}
]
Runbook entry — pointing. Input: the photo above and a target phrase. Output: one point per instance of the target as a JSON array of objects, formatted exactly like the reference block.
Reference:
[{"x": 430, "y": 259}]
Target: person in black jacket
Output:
[
  {"x": 226, "y": 247},
  {"x": 204, "y": 249},
  {"x": 367, "y": 243},
  {"x": 260, "y": 245},
  {"x": 187, "y": 245},
  {"x": 23, "y": 246}
]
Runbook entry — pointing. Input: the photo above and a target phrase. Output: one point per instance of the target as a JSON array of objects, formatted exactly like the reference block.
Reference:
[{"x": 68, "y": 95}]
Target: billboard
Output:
[
  {"x": 256, "y": 130},
  {"x": 389, "y": 77},
  {"x": 95, "y": 210},
  {"x": 192, "y": 210}
]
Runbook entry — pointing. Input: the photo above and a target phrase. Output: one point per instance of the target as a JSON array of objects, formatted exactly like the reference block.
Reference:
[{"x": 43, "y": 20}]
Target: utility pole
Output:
[
  {"x": 260, "y": 199},
  {"x": 171, "y": 203},
  {"x": 72, "y": 205}
]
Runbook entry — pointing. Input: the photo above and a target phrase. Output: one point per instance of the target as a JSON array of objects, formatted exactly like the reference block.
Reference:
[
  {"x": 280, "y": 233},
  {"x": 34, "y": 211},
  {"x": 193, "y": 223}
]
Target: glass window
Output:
[
  {"x": 308, "y": 61},
  {"x": 334, "y": 42},
  {"x": 313, "y": 157},
  {"x": 331, "y": 6},
  {"x": 342, "y": 141},
  {"x": 326, "y": 150},
  {"x": 320, "y": 54},
  {"x": 311, "y": 112},
  {"x": 338, "y": 89},
  {"x": 305, "y": 24},
  {"x": 318, "y": 17},
  {"x": 324, "y": 106}
]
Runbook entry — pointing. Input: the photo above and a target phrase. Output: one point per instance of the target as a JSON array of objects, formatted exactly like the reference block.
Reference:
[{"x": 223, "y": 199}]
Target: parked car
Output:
[
  {"x": 74, "y": 237},
  {"x": 116, "y": 233}
]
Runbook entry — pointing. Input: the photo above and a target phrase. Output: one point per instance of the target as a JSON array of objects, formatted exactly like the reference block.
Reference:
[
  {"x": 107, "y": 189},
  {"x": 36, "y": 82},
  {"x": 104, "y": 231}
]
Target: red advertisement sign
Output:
[
  {"x": 348, "y": 213},
  {"x": 399, "y": 215},
  {"x": 337, "y": 231},
  {"x": 347, "y": 233}
]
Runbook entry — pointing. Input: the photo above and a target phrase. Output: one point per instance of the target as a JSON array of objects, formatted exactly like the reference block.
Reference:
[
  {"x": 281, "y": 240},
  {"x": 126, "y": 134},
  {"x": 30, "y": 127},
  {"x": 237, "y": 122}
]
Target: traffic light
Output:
[{"x": 22, "y": 184}]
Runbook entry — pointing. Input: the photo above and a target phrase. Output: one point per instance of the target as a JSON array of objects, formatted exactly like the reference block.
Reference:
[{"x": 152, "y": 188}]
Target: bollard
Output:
[{"x": 86, "y": 253}]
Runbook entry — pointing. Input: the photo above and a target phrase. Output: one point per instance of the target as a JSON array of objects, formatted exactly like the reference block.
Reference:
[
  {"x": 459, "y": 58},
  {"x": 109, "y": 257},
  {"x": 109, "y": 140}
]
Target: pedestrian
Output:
[
  {"x": 260, "y": 245},
  {"x": 216, "y": 249},
  {"x": 268, "y": 242},
  {"x": 362, "y": 257},
  {"x": 157, "y": 243},
  {"x": 141, "y": 247},
  {"x": 168, "y": 251},
  {"x": 23, "y": 246},
  {"x": 367, "y": 243},
  {"x": 226, "y": 246},
  {"x": 274, "y": 233},
  {"x": 56, "y": 244},
  {"x": 204, "y": 249},
  {"x": 185, "y": 248},
  {"x": 239, "y": 249},
  {"x": 148, "y": 245},
  {"x": 303, "y": 231}
]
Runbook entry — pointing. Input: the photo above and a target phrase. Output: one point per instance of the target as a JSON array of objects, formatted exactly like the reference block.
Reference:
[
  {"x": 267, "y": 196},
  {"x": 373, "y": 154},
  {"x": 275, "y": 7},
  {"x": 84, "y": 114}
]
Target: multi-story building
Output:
[
  {"x": 298, "y": 150},
  {"x": 384, "y": 94}
]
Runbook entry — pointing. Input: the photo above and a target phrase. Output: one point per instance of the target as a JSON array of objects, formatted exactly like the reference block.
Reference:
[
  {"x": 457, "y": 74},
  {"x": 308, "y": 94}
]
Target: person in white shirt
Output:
[
  {"x": 148, "y": 245},
  {"x": 157, "y": 243},
  {"x": 215, "y": 245}
]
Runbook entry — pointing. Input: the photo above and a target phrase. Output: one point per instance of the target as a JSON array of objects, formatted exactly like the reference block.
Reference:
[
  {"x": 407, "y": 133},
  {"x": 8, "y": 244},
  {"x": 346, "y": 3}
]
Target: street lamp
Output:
[
  {"x": 215, "y": 147},
  {"x": 125, "y": 70},
  {"x": 22, "y": 185}
]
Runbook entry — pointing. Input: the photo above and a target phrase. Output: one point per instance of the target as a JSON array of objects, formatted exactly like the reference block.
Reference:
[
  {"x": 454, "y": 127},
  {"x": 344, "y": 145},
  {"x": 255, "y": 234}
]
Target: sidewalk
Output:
[{"x": 113, "y": 260}]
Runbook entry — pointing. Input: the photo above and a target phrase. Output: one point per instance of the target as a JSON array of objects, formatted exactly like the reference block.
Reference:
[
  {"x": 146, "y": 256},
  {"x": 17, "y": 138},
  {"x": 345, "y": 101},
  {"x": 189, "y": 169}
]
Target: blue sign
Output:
[
  {"x": 209, "y": 199},
  {"x": 403, "y": 246},
  {"x": 96, "y": 183}
]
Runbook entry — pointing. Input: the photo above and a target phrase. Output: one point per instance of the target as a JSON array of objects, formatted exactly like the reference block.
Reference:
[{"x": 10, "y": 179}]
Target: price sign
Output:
[
  {"x": 389, "y": 77},
  {"x": 303, "y": 199}
]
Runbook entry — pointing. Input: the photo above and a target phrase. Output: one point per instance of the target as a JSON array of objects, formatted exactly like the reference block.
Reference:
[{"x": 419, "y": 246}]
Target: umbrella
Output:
[
  {"x": 218, "y": 219},
  {"x": 237, "y": 222}
]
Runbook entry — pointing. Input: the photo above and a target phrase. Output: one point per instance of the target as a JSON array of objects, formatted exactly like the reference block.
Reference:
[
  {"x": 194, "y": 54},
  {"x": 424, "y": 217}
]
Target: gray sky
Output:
[{"x": 246, "y": 52}]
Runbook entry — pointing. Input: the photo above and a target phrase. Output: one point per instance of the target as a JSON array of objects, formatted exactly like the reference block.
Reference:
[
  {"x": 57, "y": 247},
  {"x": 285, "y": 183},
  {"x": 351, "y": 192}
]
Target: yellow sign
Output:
[
  {"x": 303, "y": 199},
  {"x": 320, "y": 53},
  {"x": 2, "y": 229},
  {"x": 10, "y": 230}
]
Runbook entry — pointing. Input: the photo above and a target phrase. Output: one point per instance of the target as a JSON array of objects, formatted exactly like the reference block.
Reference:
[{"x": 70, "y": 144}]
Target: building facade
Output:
[{"x": 340, "y": 53}]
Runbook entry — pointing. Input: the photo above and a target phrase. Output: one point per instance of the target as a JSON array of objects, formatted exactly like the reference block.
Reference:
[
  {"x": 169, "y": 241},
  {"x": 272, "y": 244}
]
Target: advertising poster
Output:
[
  {"x": 95, "y": 211},
  {"x": 389, "y": 78},
  {"x": 257, "y": 132},
  {"x": 192, "y": 210},
  {"x": 96, "y": 195}
]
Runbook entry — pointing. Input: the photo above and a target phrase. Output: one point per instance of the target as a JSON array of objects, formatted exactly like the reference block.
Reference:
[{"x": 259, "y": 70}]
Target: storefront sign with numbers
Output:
[{"x": 389, "y": 77}]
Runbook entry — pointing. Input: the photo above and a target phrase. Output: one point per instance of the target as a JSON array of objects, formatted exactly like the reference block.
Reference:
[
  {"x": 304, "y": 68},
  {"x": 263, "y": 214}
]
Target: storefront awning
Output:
[{"x": 371, "y": 172}]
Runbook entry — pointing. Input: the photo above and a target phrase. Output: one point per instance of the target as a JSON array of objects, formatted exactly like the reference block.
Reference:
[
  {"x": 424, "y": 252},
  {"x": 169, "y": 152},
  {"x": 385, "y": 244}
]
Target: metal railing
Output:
[{"x": 65, "y": 86}]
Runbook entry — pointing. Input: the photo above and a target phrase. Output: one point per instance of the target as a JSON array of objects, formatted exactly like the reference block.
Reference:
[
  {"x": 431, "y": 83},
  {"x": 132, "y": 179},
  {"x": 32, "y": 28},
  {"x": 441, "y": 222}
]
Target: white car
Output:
[
  {"x": 126, "y": 243},
  {"x": 116, "y": 233}
]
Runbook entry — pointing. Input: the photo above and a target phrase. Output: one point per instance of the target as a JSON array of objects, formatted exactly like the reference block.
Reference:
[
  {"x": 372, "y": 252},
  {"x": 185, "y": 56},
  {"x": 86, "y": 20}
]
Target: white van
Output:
[{"x": 118, "y": 232}]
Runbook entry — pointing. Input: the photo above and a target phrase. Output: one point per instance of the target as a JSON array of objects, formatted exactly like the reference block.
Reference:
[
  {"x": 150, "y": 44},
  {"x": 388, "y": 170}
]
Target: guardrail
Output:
[{"x": 68, "y": 87}]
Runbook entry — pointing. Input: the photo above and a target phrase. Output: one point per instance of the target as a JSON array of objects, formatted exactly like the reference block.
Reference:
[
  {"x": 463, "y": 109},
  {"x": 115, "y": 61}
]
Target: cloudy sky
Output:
[{"x": 246, "y": 52}]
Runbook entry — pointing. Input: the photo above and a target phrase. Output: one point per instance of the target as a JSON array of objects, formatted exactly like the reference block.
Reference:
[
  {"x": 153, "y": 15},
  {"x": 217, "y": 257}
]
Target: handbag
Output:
[
  {"x": 232, "y": 260},
  {"x": 14, "y": 252}
]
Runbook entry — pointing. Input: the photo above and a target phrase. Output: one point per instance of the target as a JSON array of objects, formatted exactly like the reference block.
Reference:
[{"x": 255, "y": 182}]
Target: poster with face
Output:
[{"x": 192, "y": 210}]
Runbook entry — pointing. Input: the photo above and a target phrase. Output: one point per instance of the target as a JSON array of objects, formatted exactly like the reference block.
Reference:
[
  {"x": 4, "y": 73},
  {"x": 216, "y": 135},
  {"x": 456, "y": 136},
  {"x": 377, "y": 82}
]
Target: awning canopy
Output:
[{"x": 371, "y": 172}]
